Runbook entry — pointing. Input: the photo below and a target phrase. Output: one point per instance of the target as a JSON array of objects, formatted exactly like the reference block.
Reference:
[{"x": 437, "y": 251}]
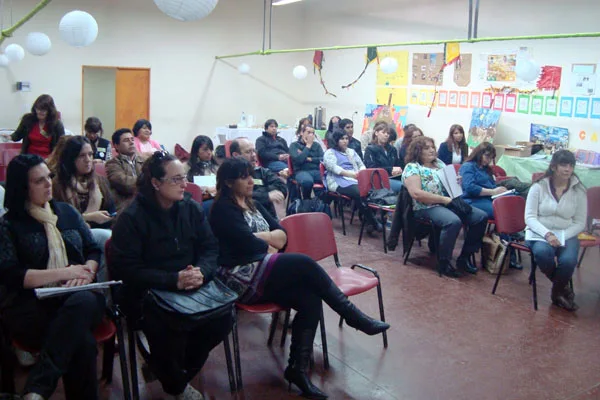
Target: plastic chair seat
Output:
[
  {"x": 590, "y": 243},
  {"x": 521, "y": 247},
  {"x": 265, "y": 308},
  {"x": 380, "y": 207},
  {"x": 351, "y": 282}
]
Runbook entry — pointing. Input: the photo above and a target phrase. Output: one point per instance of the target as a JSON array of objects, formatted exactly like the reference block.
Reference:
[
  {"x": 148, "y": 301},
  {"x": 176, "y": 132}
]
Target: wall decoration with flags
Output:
[
  {"x": 318, "y": 60},
  {"x": 371, "y": 56}
]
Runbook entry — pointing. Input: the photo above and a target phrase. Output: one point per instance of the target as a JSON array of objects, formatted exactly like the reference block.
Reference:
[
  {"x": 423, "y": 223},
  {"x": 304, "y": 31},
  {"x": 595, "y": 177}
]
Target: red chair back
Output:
[
  {"x": 100, "y": 168},
  {"x": 182, "y": 154},
  {"x": 290, "y": 166},
  {"x": 509, "y": 214},
  {"x": 536, "y": 176},
  {"x": 498, "y": 171},
  {"x": 379, "y": 182},
  {"x": 310, "y": 234},
  {"x": 456, "y": 168},
  {"x": 195, "y": 191},
  {"x": 322, "y": 172},
  {"x": 593, "y": 200},
  {"x": 228, "y": 148}
]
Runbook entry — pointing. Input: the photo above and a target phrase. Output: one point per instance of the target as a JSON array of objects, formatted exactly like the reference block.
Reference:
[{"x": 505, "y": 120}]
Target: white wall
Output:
[{"x": 99, "y": 87}]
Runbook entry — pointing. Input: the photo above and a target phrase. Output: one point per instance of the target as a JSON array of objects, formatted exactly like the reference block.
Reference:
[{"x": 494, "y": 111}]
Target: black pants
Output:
[
  {"x": 177, "y": 356},
  {"x": 63, "y": 329},
  {"x": 352, "y": 192}
]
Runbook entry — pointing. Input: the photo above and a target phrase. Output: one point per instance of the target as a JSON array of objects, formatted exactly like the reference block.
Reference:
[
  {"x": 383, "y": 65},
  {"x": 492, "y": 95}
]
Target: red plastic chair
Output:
[
  {"x": 536, "y": 176},
  {"x": 457, "y": 168},
  {"x": 195, "y": 190},
  {"x": 319, "y": 244},
  {"x": 593, "y": 212},
  {"x": 228, "y": 148},
  {"x": 295, "y": 182},
  {"x": 499, "y": 173},
  {"x": 509, "y": 213},
  {"x": 338, "y": 199},
  {"x": 100, "y": 169},
  {"x": 364, "y": 186}
]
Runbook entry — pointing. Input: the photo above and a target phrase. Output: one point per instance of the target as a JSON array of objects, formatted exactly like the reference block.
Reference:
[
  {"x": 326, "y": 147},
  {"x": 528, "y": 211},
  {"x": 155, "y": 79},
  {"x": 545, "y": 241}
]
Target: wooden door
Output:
[{"x": 132, "y": 96}]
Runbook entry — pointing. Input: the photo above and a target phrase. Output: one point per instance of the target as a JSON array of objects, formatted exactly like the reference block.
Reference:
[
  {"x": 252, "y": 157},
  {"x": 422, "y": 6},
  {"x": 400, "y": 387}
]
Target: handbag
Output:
[
  {"x": 383, "y": 196},
  {"x": 185, "y": 310},
  {"x": 493, "y": 251},
  {"x": 460, "y": 207}
]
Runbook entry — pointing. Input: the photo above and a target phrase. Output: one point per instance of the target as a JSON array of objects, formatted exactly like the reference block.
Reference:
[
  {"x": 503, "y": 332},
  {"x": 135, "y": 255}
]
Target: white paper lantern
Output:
[
  {"x": 244, "y": 69},
  {"x": 38, "y": 43},
  {"x": 300, "y": 72},
  {"x": 389, "y": 65},
  {"x": 4, "y": 61},
  {"x": 14, "y": 52},
  {"x": 186, "y": 10},
  {"x": 526, "y": 68},
  {"x": 78, "y": 28}
]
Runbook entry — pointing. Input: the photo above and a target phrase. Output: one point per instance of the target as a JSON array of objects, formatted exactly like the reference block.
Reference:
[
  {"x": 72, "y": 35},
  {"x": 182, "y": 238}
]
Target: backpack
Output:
[{"x": 315, "y": 204}]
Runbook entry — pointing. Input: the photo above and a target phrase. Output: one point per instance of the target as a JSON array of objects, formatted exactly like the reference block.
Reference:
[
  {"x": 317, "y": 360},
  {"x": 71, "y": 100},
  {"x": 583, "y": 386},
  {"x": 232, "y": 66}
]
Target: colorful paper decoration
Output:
[
  {"x": 510, "y": 103},
  {"x": 498, "y": 101},
  {"x": 566, "y": 107},
  {"x": 318, "y": 60},
  {"x": 423, "y": 97},
  {"x": 414, "y": 96},
  {"x": 537, "y": 105},
  {"x": 486, "y": 100},
  {"x": 550, "y": 78},
  {"x": 582, "y": 135},
  {"x": 371, "y": 56},
  {"x": 582, "y": 107},
  {"x": 443, "y": 98},
  {"x": 523, "y": 103},
  {"x": 551, "y": 106},
  {"x": 453, "y": 98},
  {"x": 462, "y": 70},
  {"x": 451, "y": 53},
  {"x": 594, "y": 137},
  {"x": 463, "y": 99},
  {"x": 475, "y": 99}
]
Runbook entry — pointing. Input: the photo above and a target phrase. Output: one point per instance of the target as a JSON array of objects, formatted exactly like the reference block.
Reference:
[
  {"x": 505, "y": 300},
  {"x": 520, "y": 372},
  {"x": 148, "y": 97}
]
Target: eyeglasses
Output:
[{"x": 175, "y": 180}]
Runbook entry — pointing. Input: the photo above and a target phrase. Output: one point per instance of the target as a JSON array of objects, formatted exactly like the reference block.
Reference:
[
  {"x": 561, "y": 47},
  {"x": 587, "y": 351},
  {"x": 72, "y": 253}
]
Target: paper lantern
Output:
[
  {"x": 38, "y": 43},
  {"x": 526, "y": 69},
  {"x": 244, "y": 68},
  {"x": 300, "y": 72},
  {"x": 78, "y": 28},
  {"x": 389, "y": 65},
  {"x": 14, "y": 52},
  {"x": 186, "y": 10},
  {"x": 4, "y": 61}
]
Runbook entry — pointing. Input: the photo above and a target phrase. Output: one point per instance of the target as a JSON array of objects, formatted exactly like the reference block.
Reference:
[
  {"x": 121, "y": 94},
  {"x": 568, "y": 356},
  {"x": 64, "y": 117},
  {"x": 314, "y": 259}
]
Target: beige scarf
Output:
[
  {"x": 56, "y": 246},
  {"x": 95, "y": 196}
]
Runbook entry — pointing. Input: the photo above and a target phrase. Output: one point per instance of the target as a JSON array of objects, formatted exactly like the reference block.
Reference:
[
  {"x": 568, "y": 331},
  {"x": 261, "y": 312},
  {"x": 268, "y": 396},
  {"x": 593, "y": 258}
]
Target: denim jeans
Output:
[
  {"x": 101, "y": 236},
  {"x": 449, "y": 225},
  {"x": 306, "y": 180},
  {"x": 544, "y": 255},
  {"x": 277, "y": 166}
]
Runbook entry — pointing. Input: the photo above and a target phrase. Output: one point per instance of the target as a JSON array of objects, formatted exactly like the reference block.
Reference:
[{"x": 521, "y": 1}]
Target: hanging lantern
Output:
[
  {"x": 244, "y": 69},
  {"x": 300, "y": 72},
  {"x": 186, "y": 10},
  {"x": 38, "y": 43},
  {"x": 526, "y": 69},
  {"x": 389, "y": 65},
  {"x": 4, "y": 61},
  {"x": 14, "y": 52},
  {"x": 78, "y": 28}
]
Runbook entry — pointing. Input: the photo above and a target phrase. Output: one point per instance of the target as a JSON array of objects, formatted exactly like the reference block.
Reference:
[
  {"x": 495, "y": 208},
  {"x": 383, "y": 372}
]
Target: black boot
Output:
[
  {"x": 394, "y": 234},
  {"x": 296, "y": 372},
  {"x": 561, "y": 297}
]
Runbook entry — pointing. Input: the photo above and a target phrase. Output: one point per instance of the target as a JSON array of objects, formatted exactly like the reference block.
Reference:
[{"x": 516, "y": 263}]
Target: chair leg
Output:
[
  {"x": 236, "y": 352},
  {"x": 383, "y": 223},
  {"x": 381, "y": 311},
  {"x": 362, "y": 229},
  {"x": 534, "y": 283},
  {"x": 353, "y": 213},
  {"x": 273, "y": 327},
  {"x": 228, "y": 361},
  {"x": 408, "y": 251},
  {"x": 324, "y": 341},
  {"x": 284, "y": 330},
  {"x": 500, "y": 272},
  {"x": 341, "y": 323},
  {"x": 108, "y": 359},
  {"x": 581, "y": 257},
  {"x": 135, "y": 390},
  {"x": 341, "y": 205}
]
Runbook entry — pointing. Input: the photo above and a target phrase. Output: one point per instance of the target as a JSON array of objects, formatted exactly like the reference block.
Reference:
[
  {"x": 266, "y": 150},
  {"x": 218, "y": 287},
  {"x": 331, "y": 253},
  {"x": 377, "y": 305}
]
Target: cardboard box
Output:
[{"x": 514, "y": 151}]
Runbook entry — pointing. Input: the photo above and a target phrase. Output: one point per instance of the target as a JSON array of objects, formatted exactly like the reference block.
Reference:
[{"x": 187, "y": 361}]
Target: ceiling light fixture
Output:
[{"x": 284, "y": 2}]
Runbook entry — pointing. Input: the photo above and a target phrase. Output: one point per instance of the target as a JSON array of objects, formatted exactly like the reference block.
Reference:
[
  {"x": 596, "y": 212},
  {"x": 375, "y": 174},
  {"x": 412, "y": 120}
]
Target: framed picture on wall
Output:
[
  {"x": 566, "y": 107},
  {"x": 443, "y": 98},
  {"x": 523, "y": 103},
  {"x": 499, "y": 101},
  {"x": 475, "y": 99},
  {"x": 595, "y": 109},
  {"x": 453, "y": 98},
  {"x": 510, "y": 102},
  {"x": 537, "y": 105},
  {"x": 551, "y": 106},
  {"x": 582, "y": 107},
  {"x": 414, "y": 96},
  {"x": 463, "y": 99},
  {"x": 486, "y": 100},
  {"x": 423, "y": 97}
]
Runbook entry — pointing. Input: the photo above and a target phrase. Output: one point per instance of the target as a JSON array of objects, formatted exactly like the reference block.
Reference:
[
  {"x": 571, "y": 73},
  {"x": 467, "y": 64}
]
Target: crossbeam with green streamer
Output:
[{"x": 8, "y": 32}]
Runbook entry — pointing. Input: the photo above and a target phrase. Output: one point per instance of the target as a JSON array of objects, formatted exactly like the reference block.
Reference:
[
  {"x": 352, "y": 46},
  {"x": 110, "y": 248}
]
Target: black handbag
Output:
[
  {"x": 185, "y": 310},
  {"x": 383, "y": 196},
  {"x": 461, "y": 208}
]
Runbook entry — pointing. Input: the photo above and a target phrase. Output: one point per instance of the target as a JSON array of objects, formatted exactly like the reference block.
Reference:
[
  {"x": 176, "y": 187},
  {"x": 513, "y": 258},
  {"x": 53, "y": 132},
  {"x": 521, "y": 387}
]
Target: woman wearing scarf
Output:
[{"x": 45, "y": 243}]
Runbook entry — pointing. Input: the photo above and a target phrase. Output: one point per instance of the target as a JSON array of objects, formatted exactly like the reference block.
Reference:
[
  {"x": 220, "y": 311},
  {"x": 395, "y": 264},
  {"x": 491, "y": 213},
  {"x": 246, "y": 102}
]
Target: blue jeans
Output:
[
  {"x": 306, "y": 180},
  {"x": 544, "y": 255},
  {"x": 206, "y": 205},
  {"x": 277, "y": 166},
  {"x": 101, "y": 236},
  {"x": 396, "y": 185},
  {"x": 449, "y": 225}
]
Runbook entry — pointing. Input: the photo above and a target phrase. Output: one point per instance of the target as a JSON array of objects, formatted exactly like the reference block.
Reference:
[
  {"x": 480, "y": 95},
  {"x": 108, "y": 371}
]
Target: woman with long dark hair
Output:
[
  {"x": 250, "y": 241},
  {"x": 202, "y": 163},
  {"x": 39, "y": 129},
  {"x": 555, "y": 213},
  {"x": 454, "y": 150},
  {"x": 411, "y": 131},
  {"x": 381, "y": 154},
  {"x": 334, "y": 123},
  {"x": 46, "y": 243}
]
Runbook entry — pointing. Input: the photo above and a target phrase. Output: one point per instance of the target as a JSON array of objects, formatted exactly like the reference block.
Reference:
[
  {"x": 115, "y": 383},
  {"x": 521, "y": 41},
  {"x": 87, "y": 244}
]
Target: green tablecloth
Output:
[{"x": 524, "y": 167}]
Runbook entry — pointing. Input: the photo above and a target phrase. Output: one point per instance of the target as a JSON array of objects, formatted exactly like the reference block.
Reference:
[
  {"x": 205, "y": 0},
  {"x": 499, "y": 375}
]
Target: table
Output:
[
  {"x": 252, "y": 134},
  {"x": 524, "y": 167}
]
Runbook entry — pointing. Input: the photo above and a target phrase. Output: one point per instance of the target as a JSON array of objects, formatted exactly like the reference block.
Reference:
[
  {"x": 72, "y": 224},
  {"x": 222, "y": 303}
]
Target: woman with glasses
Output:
[
  {"x": 40, "y": 129},
  {"x": 162, "y": 240}
]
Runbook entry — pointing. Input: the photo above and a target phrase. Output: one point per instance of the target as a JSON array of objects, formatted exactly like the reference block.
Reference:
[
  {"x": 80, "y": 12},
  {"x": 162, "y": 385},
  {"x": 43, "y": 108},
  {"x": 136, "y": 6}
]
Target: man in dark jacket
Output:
[
  {"x": 348, "y": 127},
  {"x": 268, "y": 187},
  {"x": 306, "y": 155},
  {"x": 272, "y": 149}
]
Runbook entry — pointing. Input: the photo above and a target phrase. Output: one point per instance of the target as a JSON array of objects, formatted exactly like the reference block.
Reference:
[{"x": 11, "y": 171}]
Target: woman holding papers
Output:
[
  {"x": 381, "y": 154},
  {"x": 202, "y": 163},
  {"x": 555, "y": 214},
  {"x": 45, "y": 243},
  {"x": 432, "y": 203}
]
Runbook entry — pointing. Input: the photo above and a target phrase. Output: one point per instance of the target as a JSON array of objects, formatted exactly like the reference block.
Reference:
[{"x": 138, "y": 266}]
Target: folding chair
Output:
[
  {"x": 338, "y": 198},
  {"x": 593, "y": 212}
]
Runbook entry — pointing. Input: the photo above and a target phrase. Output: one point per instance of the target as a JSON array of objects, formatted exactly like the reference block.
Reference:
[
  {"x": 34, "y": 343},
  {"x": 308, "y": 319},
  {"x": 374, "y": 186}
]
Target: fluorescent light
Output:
[{"x": 284, "y": 2}]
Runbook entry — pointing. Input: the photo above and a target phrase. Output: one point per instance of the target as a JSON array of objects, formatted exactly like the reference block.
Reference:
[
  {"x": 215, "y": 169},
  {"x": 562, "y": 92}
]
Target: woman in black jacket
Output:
[
  {"x": 163, "y": 241},
  {"x": 381, "y": 154},
  {"x": 250, "y": 263},
  {"x": 454, "y": 150},
  {"x": 306, "y": 155},
  {"x": 44, "y": 243}
]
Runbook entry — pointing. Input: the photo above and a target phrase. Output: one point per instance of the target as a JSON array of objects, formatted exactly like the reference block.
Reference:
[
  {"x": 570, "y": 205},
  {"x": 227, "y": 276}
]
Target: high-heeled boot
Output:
[
  {"x": 296, "y": 372},
  {"x": 355, "y": 318}
]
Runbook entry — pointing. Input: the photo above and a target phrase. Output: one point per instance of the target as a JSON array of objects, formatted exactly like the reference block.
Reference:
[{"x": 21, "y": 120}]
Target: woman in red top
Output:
[{"x": 40, "y": 129}]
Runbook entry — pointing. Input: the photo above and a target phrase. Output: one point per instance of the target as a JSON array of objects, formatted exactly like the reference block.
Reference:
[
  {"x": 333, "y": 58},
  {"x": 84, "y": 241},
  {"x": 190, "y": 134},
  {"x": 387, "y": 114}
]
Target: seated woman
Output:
[
  {"x": 163, "y": 241},
  {"x": 381, "y": 154},
  {"x": 249, "y": 242},
  {"x": 45, "y": 243},
  {"x": 202, "y": 163},
  {"x": 429, "y": 201},
  {"x": 100, "y": 146},
  {"x": 142, "y": 130},
  {"x": 342, "y": 165},
  {"x": 454, "y": 150},
  {"x": 306, "y": 155},
  {"x": 411, "y": 131},
  {"x": 555, "y": 214},
  {"x": 76, "y": 183},
  {"x": 334, "y": 124}
]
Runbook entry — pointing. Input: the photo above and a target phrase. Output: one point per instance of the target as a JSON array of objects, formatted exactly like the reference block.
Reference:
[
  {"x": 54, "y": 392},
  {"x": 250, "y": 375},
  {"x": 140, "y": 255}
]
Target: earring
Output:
[{"x": 156, "y": 188}]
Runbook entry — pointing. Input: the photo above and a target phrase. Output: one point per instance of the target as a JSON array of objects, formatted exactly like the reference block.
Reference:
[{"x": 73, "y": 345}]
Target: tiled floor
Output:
[{"x": 450, "y": 339}]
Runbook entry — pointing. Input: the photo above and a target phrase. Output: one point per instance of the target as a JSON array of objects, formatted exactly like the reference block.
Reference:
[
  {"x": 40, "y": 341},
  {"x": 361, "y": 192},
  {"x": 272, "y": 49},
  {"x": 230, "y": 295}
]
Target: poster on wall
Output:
[
  {"x": 483, "y": 126},
  {"x": 443, "y": 98},
  {"x": 400, "y": 76},
  {"x": 595, "y": 109},
  {"x": 566, "y": 107},
  {"x": 510, "y": 103},
  {"x": 475, "y": 99},
  {"x": 549, "y": 136},
  {"x": 452, "y": 98},
  {"x": 501, "y": 68},
  {"x": 537, "y": 105},
  {"x": 551, "y": 106},
  {"x": 498, "y": 101},
  {"x": 462, "y": 70},
  {"x": 582, "y": 107},
  {"x": 583, "y": 79},
  {"x": 463, "y": 99},
  {"x": 486, "y": 100},
  {"x": 414, "y": 96},
  {"x": 395, "y": 115},
  {"x": 550, "y": 78},
  {"x": 426, "y": 69},
  {"x": 523, "y": 103},
  {"x": 399, "y": 95}
]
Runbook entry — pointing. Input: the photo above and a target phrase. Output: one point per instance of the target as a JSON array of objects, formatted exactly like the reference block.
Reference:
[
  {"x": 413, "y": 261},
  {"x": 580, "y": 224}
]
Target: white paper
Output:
[
  {"x": 43, "y": 293},
  {"x": 508, "y": 192},
  {"x": 206, "y": 181},
  {"x": 450, "y": 181}
]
